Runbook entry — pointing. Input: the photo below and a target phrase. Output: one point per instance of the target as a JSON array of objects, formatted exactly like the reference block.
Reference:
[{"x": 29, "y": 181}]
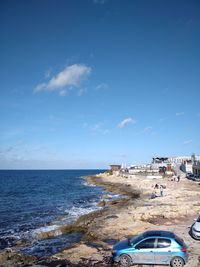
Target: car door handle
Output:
[{"x": 169, "y": 250}]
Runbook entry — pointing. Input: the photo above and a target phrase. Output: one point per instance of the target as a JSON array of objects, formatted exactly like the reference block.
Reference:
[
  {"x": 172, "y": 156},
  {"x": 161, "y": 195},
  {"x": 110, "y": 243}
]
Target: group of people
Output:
[{"x": 155, "y": 191}]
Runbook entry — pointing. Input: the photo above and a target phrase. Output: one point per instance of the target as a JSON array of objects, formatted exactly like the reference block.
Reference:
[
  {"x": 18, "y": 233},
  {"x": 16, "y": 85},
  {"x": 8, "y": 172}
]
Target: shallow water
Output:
[
  {"x": 35, "y": 201},
  {"x": 50, "y": 246}
]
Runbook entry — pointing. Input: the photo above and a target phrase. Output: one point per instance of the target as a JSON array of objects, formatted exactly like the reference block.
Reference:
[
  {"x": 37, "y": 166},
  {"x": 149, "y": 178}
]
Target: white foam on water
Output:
[
  {"x": 46, "y": 229},
  {"x": 76, "y": 212},
  {"x": 73, "y": 214},
  {"x": 85, "y": 183}
]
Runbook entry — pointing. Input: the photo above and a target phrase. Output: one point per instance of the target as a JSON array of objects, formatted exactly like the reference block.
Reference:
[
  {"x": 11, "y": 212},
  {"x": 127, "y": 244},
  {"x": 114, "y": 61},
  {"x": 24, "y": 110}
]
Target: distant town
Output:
[{"x": 161, "y": 167}]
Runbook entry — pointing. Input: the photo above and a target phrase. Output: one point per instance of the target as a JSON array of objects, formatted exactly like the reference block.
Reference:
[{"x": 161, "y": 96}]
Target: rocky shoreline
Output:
[{"x": 131, "y": 214}]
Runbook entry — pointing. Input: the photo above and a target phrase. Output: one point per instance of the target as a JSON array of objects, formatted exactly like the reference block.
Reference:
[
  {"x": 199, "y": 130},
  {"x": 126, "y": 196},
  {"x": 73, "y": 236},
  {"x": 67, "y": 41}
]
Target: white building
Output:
[
  {"x": 186, "y": 166},
  {"x": 181, "y": 159},
  {"x": 196, "y": 168}
]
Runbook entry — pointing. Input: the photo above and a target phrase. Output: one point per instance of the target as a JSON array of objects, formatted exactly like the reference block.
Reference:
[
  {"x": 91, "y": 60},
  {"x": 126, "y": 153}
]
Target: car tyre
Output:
[
  {"x": 177, "y": 262},
  {"x": 125, "y": 260}
]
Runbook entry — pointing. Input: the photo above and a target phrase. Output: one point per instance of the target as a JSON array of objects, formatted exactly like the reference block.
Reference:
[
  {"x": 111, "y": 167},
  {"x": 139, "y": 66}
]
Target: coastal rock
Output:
[
  {"x": 78, "y": 253},
  {"x": 15, "y": 259}
]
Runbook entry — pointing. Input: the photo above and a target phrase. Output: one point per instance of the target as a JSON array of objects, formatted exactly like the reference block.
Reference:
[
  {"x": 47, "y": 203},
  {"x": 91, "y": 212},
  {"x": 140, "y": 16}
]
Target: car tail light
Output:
[{"x": 184, "y": 249}]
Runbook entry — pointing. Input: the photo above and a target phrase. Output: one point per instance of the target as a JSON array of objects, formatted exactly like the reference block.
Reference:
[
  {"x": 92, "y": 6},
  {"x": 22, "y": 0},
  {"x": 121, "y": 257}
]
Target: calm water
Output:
[{"x": 33, "y": 201}]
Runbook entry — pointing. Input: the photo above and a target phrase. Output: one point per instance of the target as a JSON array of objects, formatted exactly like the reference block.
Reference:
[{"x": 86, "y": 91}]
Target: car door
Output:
[
  {"x": 163, "y": 253},
  {"x": 144, "y": 251}
]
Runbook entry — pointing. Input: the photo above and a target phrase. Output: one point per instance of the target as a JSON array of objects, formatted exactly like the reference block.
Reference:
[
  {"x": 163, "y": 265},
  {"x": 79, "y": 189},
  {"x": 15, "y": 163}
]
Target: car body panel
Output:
[
  {"x": 153, "y": 254},
  {"x": 195, "y": 229}
]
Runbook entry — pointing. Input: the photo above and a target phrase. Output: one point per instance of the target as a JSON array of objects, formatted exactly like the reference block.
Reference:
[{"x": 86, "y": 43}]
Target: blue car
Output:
[{"x": 151, "y": 247}]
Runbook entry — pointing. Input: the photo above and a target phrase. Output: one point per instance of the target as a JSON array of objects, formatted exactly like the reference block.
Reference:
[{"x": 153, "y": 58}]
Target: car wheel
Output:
[
  {"x": 177, "y": 262},
  {"x": 125, "y": 260}
]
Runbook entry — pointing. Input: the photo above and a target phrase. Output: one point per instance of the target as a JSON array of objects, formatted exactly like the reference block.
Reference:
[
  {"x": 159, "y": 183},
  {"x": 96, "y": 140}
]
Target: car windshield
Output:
[
  {"x": 198, "y": 220},
  {"x": 136, "y": 239}
]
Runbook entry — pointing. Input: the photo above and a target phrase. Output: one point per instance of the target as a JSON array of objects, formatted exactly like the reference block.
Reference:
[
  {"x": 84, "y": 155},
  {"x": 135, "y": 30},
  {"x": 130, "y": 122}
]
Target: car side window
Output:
[
  {"x": 148, "y": 243},
  {"x": 163, "y": 243}
]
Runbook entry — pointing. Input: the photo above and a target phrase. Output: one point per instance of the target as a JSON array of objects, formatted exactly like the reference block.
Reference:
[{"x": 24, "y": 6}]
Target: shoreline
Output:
[{"x": 131, "y": 214}]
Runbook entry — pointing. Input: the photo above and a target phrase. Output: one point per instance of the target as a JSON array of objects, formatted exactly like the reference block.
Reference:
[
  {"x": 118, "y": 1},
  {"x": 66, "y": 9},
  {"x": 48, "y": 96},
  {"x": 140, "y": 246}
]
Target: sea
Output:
[{"x": 36, "y": 201}]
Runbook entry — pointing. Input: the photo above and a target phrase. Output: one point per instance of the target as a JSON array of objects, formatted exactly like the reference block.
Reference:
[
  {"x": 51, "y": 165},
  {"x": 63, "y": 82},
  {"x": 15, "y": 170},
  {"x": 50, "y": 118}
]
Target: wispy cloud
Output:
[
  {"x": 70, "y": 77},
  {"x": 148, "y": 129},
  {"x": 82, "y": 91},
  {"x": 163, "y": 119},
  {"x": 126, "y": 122},
  {"x": 187, "y": 142},
  {"x": 99, "y": 128},
  {"x": 180, "y": 113},
  {"x": 63, "y": 92},
  {"x": 47, "y": 73},
  {"x": 101, "y": 86}
]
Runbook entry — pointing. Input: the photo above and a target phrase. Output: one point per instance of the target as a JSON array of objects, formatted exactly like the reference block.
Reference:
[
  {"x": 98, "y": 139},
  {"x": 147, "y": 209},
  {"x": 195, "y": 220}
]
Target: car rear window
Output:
[
  {"x": 163, "y": 243},
  {"x": 180, "y": 241}
]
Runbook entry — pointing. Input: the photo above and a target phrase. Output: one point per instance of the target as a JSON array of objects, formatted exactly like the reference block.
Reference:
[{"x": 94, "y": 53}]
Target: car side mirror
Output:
[{"x": 195, "y": 219}]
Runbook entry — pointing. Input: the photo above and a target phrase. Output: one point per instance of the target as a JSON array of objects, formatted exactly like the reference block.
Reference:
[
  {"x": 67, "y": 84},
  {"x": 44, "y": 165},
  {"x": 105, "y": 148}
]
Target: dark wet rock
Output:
[
  {"x": 55, "y": 263},
  {"x": 102, "y": 203},
  {"x": 111, "y": 241},
  {"x": 118, "y": 188},
  {"x": 7, "y": 242},
  {"x": 99, "y": 261},
  {"x": 3, "y": 243},
  {"x": 95, "y": 245},
  {"x": 111, "y": 217}
]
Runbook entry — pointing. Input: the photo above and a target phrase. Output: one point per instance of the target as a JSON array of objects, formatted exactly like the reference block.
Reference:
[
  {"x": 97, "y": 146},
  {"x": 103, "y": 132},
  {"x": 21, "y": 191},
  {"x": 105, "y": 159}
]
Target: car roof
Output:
[{"x": 158, "y": 233}]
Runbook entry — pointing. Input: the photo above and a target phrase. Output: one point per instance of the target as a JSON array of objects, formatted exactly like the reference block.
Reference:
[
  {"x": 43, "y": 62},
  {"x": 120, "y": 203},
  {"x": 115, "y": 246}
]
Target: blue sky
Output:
[{"x": 88, "y": 83}]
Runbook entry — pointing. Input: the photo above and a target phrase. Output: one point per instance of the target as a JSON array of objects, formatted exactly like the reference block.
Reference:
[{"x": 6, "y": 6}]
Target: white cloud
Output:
[
  {"x": 70, "y": 77},
  {"x": 187, "y": 142},
  {"x": 125, "y": 122},
  {"x": 180, "y": 113}
]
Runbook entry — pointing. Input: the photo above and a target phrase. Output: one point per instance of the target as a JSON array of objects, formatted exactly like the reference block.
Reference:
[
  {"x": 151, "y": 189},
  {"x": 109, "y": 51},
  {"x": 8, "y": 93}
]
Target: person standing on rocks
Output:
[{"x": 161, "y": 190}]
